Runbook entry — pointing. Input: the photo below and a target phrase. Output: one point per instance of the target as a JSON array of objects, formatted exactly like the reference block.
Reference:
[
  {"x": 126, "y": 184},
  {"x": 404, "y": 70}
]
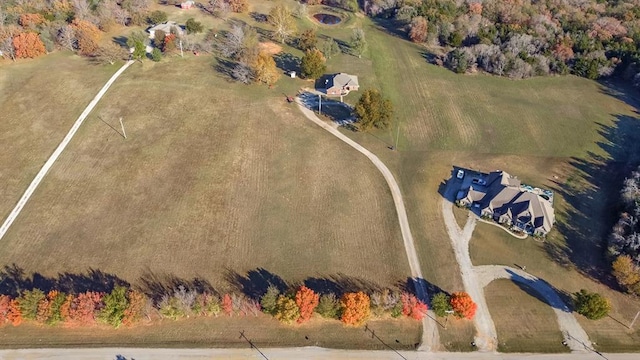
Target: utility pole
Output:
[
  {"x": 397, "y": 136},
  {"x": 181, "y": 53},
  {"x": 122, "y": 126},
  {"x": 319, "y": 103}
]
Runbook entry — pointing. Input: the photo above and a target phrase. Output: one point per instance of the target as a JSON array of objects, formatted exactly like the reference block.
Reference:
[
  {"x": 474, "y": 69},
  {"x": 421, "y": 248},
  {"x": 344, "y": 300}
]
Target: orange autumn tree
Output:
[
  {"x": 307, "y": 301},
  {"x": 135, "y": 308},
  {"x": 31, "y": 20},
  {"x": 87, "y": 36},
  {"x": 355, "y": 308},
  {"x": 412, "y": 307},
  {"x": 227, "y": 304},
  {"x": 14, "y": 315},
  {"x": 5, "y": 302},
  {"x": 462, "y": 305},
  {"x": 28, "y": 45},
  {"x": 84, "y": 307}
]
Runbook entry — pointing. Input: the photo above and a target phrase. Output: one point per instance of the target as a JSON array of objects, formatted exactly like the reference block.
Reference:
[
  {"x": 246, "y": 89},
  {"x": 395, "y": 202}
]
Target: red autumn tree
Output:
[
  {"x": 418, "y": 29},
  {"x": 135, "y": 308},
  {"x": 169, "y": 43},
  {"x": 87, "y": 36},
  {"x": 463, "y": 305},
  {"x": 412, "y": 307},
  {"x": 28, "y": 45},
  {"x": 84, "y": 307},
  {"x": 5, "y": 303},
  {"x": 307, "y": 301},
  {"x": 355, "y": 308},
  {"x": 227, "y": 304},
  {"x": 14, "y": 315}
]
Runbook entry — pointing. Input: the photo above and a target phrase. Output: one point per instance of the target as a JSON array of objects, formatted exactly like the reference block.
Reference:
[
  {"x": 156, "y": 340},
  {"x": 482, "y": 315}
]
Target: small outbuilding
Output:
[
  {"x": 187, "y": 5},
  {"x": 341, "y": 84},
  {"x": 166, "y": 27}
]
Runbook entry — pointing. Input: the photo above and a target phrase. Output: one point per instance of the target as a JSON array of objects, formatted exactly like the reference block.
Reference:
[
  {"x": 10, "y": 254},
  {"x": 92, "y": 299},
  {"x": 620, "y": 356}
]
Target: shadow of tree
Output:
[
  {"x": 544, "y": 292},
  {"x": 14, "y": 280},
  {"x": 592, "y": 193},
  {"x": 255, "y": 283},
  {"x": 411, "y": 284},
  {"x": 156, "y": 285},
  {"x": 224, "y": 67},
  {"x": 340, "y": 284},
  {"x": 287, "y": 62}
]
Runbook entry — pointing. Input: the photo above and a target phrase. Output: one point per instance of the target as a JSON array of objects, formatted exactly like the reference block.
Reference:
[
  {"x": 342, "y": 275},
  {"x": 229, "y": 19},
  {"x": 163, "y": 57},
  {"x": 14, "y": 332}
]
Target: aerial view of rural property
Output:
[{"x": 319, "y": 179}]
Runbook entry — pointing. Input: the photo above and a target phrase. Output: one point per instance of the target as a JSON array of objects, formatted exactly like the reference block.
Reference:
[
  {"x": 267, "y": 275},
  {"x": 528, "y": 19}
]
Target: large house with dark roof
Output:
[{"x": 506, "y": 200}]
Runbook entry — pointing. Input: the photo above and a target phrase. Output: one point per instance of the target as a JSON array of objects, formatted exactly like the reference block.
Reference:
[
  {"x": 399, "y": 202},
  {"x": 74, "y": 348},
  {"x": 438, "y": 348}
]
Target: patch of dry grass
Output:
[
  {"x": 39, "y": 105},
  {"x": 523, "y": 322}
]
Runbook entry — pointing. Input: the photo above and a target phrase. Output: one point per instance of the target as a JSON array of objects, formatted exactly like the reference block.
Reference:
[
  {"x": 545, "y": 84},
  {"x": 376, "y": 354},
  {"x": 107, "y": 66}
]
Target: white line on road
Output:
[{"x": 45, "y": 168}]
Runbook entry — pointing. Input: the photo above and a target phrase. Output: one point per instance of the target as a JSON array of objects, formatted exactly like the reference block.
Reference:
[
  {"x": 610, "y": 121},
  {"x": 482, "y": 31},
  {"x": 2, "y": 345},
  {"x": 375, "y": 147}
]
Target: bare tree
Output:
[
  {"x": 282, "y": 19},
  {"x": 186, "y": 299},
  {"x": 7, "y": 49},
  {"x": 66, "y": 38},
  {"x": 231, "y": 45},
  {"x": 110, "y": 53},
  {"x": 242, "y": 72}
]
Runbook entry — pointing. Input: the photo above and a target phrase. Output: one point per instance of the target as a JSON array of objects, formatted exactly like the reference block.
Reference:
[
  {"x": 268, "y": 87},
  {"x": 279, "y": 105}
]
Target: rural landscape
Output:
[{"x": 321, "y": 173}]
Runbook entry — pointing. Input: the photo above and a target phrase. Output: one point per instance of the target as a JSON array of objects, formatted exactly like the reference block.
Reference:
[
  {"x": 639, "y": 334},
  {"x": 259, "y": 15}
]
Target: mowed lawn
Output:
[
  {"x": 214, "y": 178},
  {"x": 39, "y": 101}
]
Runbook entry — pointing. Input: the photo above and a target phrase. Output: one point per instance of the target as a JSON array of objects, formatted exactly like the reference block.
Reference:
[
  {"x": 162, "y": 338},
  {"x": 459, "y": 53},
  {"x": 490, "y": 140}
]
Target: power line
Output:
[{"x": 243, "y": 336}]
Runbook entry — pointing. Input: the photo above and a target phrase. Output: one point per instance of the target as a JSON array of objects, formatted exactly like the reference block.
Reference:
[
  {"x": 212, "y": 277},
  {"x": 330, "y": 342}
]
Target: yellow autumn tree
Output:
[{"x": 265, "y": 69}]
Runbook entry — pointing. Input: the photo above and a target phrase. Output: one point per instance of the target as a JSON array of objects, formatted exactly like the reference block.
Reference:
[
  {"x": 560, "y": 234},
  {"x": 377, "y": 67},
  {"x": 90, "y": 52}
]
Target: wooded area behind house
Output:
[{"x": 523, "y": 38}]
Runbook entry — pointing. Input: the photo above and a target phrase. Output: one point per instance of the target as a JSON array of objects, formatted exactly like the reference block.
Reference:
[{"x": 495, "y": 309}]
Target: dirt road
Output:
[{"x": 430, "y": 336}]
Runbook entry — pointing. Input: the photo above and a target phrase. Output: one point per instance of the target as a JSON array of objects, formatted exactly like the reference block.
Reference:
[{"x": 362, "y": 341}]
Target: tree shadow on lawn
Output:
[
  {"x": 287, "y": 62},
  {"x": 559, "y": 299},
  {"x": 157, "y": 285},
  {"x": 14, "y": 280},
  {"x": 410, "y": 285},
  {"x": 225, "y": 68},
  {"x": 256, "y": 282},
  {"x": 593, "y": 196}
]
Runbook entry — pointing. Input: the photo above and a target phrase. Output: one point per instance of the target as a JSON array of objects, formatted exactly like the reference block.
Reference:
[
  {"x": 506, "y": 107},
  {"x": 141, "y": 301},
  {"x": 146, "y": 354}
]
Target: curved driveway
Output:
[
  {"x": 430, "y": 336},
  {"x": 475, "y": 278}
]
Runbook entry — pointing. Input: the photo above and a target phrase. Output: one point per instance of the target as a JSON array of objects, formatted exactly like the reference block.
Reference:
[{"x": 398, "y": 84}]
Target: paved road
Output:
[
  {"x": 309, "y": 353},
  {"x": 430, "y": 335},
  {"x": 52, "y": 159}
]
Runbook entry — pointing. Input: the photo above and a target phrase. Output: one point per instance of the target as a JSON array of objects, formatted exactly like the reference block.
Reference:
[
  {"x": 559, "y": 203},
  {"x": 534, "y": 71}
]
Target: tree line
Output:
[
  {"x": 624, "y": 240},
  {"x": 125, "y": 306},
  {"x": 524, "y": 38}
]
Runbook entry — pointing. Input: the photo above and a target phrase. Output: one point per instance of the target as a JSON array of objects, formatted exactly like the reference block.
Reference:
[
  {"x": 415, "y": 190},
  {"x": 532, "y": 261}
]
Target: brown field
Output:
[
  {"x": 207, "y": 184},
  {"x": 523, "y": 322},
  {"x": 38, "y": 108}
]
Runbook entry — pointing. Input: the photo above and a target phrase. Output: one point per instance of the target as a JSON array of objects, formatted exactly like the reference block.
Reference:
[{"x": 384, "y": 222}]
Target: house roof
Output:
[
  {"x": 166, "y": 27},
  {"x": 503, "y": 195},
  {"x": 341, "y": 80}
]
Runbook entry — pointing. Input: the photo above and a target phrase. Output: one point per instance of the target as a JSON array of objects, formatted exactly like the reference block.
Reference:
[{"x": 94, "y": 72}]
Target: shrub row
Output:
[{"x": 123, "y": 306}]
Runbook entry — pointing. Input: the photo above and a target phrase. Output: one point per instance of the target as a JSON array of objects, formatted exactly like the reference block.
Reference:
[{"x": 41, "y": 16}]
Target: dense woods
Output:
[{"x": 523, "y": 38}]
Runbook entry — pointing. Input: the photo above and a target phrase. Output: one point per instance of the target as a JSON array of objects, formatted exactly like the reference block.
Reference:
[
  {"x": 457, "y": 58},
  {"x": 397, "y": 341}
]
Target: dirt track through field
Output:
[
  {"x": 430, "y": 336},
  {"x": 56, "y": 154}
]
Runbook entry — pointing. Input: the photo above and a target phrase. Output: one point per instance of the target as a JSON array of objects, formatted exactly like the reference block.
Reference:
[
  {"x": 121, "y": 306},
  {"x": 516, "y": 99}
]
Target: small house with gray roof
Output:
[
  {"x": 507, "y": 201},
  {"x": 341, "y": 84},
  {"x": 167, "y": 28}
]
